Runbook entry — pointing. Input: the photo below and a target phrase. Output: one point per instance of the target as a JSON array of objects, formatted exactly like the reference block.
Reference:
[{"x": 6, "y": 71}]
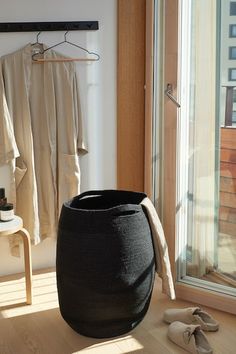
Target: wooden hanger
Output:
[{"x": 43, "y": 60}]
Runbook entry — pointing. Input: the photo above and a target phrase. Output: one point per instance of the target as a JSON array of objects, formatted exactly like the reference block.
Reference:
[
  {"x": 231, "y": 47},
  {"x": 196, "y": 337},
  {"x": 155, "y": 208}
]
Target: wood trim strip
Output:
[
  {"x": 209, "y": 298},
  {"x": 170, "y": 128},
  {"x": 149, "y": 97},
  {"x": 130, "y": 94}
]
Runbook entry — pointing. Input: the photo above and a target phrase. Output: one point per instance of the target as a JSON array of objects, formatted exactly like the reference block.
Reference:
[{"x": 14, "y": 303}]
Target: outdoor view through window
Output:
[{"x": 211, "y": 154}]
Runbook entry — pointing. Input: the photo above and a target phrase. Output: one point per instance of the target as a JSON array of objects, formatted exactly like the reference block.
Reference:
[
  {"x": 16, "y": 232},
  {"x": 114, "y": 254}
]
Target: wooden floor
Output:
[{"x": 40, "y": 329}]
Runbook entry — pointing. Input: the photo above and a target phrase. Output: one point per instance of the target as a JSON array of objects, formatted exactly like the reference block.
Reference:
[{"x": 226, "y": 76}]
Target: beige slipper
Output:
[
  {"x": 189, "y": 337},
  {"x": 192, "y": 315}
]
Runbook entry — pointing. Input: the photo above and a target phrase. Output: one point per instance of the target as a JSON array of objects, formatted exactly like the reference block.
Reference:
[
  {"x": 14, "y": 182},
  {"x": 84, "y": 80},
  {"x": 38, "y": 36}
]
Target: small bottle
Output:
[
  {"x": 7, "y": 212},
  {"x": 3, "y": 199}
]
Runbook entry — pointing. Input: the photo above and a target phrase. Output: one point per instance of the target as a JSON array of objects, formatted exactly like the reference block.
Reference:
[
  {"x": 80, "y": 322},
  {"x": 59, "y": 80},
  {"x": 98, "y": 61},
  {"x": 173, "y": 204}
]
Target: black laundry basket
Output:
[{"x": 105, "y": 262}]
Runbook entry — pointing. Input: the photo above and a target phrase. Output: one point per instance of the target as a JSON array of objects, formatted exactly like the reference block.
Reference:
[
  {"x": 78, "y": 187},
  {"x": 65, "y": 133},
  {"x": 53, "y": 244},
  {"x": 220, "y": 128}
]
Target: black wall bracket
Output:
[{"x": 48, "y": 26}]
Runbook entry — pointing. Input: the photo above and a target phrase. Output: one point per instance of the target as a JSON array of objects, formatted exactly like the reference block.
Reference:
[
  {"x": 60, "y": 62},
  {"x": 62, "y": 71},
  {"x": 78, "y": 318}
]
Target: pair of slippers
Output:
[{"x": 187, "y": 326}]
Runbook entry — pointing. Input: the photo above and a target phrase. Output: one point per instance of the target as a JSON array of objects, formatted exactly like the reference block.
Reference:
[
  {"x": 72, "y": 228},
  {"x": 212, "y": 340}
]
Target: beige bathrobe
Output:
[
  {"x": 41, "y": 137},
  {"x": 163, "y": 267}
]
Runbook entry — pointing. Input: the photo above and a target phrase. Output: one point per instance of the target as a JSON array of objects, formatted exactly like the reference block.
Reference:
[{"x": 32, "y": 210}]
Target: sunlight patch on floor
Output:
[
  {"x": 126, "y": 344},
  {"x": 13, "y": 296}
]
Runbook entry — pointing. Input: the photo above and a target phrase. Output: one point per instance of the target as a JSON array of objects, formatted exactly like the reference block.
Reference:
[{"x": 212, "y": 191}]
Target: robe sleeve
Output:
[
  {"x": 82, "y": 147},
  {"x": 8, "y": 147}
]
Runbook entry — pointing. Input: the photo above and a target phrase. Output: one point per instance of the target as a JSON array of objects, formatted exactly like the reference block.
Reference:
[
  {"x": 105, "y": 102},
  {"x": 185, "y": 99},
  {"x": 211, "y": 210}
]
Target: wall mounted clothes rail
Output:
[{"x": 48, "y": 26}]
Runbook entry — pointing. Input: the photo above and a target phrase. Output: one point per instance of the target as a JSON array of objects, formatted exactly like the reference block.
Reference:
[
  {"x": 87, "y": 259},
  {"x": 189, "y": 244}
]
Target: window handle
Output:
[{"x": 168, "y": 93}]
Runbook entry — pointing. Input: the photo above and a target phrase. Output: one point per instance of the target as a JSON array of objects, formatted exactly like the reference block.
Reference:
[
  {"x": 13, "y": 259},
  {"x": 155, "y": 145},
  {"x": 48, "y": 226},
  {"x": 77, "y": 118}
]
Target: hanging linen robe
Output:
[{"x": 41, "y": 137}]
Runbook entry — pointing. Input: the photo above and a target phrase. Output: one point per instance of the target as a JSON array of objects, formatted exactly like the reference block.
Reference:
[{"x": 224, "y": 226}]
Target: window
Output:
[
  {"x": 234, "y": 117},
  {"x": 232, "y": 52},
  {"x": 233, "y": 8},
  {"x": 232, "y": 74},
  {"x": 232, "y": 31},
  {"x": 234, "y": 96}
]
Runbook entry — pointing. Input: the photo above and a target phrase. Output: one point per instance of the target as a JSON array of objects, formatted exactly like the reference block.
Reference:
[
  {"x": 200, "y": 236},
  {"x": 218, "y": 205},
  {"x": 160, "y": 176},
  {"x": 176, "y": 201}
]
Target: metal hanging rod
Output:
[{"x": 48, "y": 26}]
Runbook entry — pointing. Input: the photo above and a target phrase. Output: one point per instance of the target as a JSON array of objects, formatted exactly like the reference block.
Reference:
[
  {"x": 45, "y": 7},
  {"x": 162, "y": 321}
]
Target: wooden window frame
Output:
[
  {"x": 134, "y": 95},
  {"x": 134, "y": 123}
]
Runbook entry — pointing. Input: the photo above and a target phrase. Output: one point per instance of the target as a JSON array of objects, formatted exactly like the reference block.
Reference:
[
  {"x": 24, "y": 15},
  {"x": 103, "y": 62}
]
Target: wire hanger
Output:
[
  {"x": 37, "y": 39},
  {"x": 43, "y": 60}
]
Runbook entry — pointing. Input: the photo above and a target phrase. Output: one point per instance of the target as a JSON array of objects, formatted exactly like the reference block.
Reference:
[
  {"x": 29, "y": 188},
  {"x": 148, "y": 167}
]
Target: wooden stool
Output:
[{"x": 8, "y": 228}]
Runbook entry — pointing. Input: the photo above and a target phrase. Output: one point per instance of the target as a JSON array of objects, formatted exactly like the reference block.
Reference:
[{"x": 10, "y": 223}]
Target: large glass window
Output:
[{"x": 207, "y": 161}]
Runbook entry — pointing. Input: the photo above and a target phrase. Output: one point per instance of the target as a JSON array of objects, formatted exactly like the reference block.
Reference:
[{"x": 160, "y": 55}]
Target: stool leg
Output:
[{"x": 28, "y": 265}]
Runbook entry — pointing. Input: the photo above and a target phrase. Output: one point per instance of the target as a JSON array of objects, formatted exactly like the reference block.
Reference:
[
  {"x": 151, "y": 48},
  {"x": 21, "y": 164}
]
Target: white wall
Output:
[{"x": 97, "y": 89}]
